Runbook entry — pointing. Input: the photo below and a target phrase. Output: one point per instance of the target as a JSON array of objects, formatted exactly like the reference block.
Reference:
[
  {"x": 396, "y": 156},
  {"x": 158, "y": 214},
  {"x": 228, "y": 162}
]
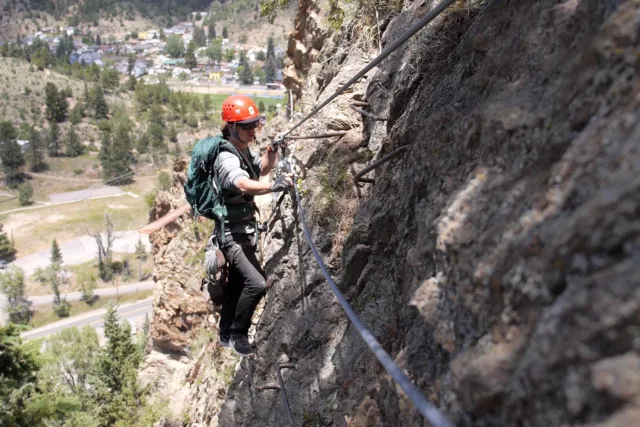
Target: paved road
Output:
[
  {"x": 212, "y": 88},
  {"x": 89, "y": 193},
  {"x": 82, "y": 249},
  {"x": 104, "y": 292},
  {"x": 133, "y": 312}
]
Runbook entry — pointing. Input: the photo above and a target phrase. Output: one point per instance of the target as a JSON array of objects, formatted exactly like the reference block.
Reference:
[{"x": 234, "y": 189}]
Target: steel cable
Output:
[
  {"x": 433, "y": 13},
  {"x": 428, "y": 410}
]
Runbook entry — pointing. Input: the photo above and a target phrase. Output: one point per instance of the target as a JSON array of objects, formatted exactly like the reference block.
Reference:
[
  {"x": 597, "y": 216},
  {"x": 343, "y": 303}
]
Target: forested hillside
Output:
[{"x": 92, "y": 10}]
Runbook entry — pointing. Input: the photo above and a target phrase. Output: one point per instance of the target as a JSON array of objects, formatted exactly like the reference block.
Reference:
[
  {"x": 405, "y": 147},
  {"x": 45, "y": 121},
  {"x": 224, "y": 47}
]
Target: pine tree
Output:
[
  {"x": 212, "y": 30},
  {"x": 117, "y": 158},
  {"x": 225, "y": 33},
  {"x": 100, "y": 104},
  {"x": 57, "y": 105},
  {"x": 199, "y": 36},
  {"x": 141, "y": 255},
  {"x": 98, "y": 41},
  {"x": 115, "y": 377},
  {"x": 36, "y": 150},
  {"x": 7, "y": 250},
  {"x": 246, "y": 75},
  {"x": 56, "y": 254},
  {"x": 189, "y": 57},
  {"x": 74, "y": 146},
  {"x": 271, "y": 64},
  {"x": 10, "y": 154},
  {"x": 54, "y": 139}
]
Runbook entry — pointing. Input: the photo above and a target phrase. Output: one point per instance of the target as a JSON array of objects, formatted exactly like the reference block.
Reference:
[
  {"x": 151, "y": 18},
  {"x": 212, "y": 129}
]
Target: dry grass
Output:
[
  {"x": 44, "y": 314},
  {"x": 33, "y": 231}
]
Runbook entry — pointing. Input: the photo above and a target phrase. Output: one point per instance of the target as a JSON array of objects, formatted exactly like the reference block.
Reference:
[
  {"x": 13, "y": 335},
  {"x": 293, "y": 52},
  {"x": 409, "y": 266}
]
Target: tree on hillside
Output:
[
  {"x": 116, "y": 158},
  {"x": 157, "y": 128},
  {"x": 13, "y": 288},
  {"x": 199, "y": 36},
  {"x": 271, "y": 63},
  {"x": 75, "y": 351},
  {"x": 131, "y": 62},
  {"x": 98, "y": 41},
  {"x": 25, "y": 193},
  {"x": 54, "y": 139},
  {"x": 7, "y": 250},
  {"x": 100, "y": 104},
  {"x": 214, "y": 51},
  {"x": 115, "y": 379},
  {"x": 246, "y": 75},
  {"x": 56, "y": 254},
  {"x": 18, "y": 368},
  {"x": 36, "y": 150},
  {"x": 229, "y": 54},
  {"x": 225, "y": 33},
  {"x": 10, "y": 154},
  {"x": 141, "y": 255},
  {"x": 175, "y": 46},
  {"x": 189, "y": 57},
  {"x": 57, "y": 105},
  {"x": 105, "y": 254},
  {"x": 109, "y": 78},
  {"x": 212, "y": 30},
  {"x": 74, "y": 146},
  {"x": 88, "y": 282},
  {"x": 206, "y": 105}
]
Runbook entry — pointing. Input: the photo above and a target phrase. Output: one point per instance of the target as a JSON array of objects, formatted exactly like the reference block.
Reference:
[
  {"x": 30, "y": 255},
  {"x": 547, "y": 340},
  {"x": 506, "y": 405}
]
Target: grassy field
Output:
[
  {"x": 45, "y": 314},
  {"x": 34, "y": 230}
]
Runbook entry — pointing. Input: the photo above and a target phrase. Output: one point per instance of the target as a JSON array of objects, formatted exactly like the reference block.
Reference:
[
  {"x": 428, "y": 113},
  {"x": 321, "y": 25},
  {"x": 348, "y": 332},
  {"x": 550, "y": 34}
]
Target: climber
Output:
[{"x": 238, "y": 171}]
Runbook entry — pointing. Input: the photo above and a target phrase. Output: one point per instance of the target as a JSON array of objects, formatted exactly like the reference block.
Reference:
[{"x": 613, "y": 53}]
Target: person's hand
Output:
[
  {"x": 282, "y": 182},
  {"x": 278, "y": 141}
]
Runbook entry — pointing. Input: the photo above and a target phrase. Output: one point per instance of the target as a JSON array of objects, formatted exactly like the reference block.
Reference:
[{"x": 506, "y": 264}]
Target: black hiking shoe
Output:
[
  {"x": 224, "y": 342},
  {"x": 240, "y": 344}
]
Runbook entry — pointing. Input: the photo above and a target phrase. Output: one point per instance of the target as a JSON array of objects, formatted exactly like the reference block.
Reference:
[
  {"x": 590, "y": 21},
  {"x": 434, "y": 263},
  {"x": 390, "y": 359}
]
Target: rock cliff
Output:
[{"x": 496, "y": 259}]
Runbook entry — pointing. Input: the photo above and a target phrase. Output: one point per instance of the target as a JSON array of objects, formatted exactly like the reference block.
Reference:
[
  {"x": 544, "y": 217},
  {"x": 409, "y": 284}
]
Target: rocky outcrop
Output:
[
  {"x": 497, "y": 260},
  {"x": 179, "y": 307},
  {"x": 304, "y": 45}
]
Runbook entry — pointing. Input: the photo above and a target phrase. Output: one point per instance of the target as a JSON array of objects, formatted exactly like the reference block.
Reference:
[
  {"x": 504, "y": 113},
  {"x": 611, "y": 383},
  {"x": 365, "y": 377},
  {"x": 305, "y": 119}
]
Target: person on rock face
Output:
[{"x": 239, "y": 173}]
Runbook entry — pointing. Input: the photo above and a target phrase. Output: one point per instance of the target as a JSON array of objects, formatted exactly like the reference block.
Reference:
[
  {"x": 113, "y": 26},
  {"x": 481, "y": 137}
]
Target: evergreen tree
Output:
[
  {"x": 189, "y": 57},
  {"x": 25, "y": 192},
  {"x": 86, "y": 97},
  {"x": 115, "y": 379},
  {"x": 199, "y": 36},
  {"x": 56, "y": 254},
  {"x": 271, "y": 64},
  {"x": 142, "y": 144},
  {"x": 98, "y": 41},
  {"x": 131, "y": 62},
  {"x": 225, "y": 33},
  {"x": 141, "y": 255},
  {"x": 74, "y": 146},
  {"x": 116, "y": 157},
  {"x": 7, "y": 250},
  {"x": 214, "y": 51},
  {"x": 54, "y": 139},
  {"x": 246, "y": 75},
  {"x": 157, "y": 128},
  {"x": 100, "y": 104},
  {"x": 36, "y": 150},
  {"x": 10, "y": 154},
  {"x": 212, "y": 30},
  {"x": 57, "y": 105},
  {"x": 206, "y": 106}
]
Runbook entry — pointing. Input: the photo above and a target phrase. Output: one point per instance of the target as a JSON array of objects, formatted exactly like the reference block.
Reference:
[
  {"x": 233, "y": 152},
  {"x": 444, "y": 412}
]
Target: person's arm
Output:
[
  {"x": 251, "y": 187},
  {"x": 257, "y": 188},
  {"x": 268, "y": 161}
]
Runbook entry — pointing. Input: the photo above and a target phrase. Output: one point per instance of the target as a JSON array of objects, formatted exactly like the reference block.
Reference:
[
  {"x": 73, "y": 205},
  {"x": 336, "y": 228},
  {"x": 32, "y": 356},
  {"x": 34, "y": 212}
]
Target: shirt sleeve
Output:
[{"x": 230, "y": 170}]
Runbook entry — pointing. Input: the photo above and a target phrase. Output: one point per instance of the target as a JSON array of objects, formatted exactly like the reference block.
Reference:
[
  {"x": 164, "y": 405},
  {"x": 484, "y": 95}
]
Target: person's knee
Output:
[{"x": 258, "y": 285}]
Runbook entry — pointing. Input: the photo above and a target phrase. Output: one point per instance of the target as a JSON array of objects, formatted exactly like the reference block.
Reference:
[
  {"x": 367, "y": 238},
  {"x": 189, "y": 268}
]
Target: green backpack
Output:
[{"x": 202, "y": 188}]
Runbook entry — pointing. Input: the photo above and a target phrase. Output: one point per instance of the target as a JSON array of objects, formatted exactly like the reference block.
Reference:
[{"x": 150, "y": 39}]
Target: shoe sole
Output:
[
  {"x": 240, "y": 354},
  {"x": 224, "y": 344}
]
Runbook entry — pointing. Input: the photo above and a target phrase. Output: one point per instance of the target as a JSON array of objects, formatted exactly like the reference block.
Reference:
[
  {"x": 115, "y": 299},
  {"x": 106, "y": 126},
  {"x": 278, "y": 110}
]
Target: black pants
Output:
[{"x": 245, "y": 286}]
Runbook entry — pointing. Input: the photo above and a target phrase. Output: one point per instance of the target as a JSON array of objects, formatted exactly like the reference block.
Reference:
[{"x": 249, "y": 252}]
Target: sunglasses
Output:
[{"x": 249, "y": 126}]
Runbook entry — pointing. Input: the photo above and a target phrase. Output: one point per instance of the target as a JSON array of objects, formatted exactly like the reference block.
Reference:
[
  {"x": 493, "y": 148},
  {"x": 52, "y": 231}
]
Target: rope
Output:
[
  {"x": 429, "y": 411},
  {"x": 388, "y": 51}
]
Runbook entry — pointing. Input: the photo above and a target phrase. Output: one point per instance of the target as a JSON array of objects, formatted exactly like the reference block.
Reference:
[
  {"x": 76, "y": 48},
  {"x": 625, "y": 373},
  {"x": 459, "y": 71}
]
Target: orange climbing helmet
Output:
[{"x": 240, "y": 109}]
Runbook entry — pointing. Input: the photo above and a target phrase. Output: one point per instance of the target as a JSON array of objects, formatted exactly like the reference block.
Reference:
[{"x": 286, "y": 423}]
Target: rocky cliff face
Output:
[{"x": 496, "y": 259}]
